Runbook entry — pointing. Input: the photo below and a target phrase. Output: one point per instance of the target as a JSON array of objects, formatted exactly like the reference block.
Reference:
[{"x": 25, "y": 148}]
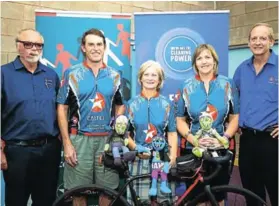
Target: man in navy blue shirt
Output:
[
  {"x": 257, "y": 81},
  {"x": 30, "y": 149}
]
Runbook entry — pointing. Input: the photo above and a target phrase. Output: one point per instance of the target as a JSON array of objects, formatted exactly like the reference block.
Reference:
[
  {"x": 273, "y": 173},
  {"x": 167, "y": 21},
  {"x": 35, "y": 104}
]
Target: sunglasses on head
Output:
[{"x": 29, "y": 45}]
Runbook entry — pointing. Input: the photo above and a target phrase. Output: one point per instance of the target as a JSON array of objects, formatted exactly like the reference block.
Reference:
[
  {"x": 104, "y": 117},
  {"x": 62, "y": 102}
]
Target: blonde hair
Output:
[
  {"x": 199, "y": 50},
  {"x": 270, "y": 29},
  {"x": 157, "y": 67}
]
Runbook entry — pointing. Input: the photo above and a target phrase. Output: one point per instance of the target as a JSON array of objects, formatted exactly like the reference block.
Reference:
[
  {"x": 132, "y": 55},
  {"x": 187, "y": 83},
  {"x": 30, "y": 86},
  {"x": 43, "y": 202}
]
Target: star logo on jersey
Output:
[
  {"x": 98, "y": 103},
  {"x": 212, "y": 111},
  {"x": 150, "y": 133}
]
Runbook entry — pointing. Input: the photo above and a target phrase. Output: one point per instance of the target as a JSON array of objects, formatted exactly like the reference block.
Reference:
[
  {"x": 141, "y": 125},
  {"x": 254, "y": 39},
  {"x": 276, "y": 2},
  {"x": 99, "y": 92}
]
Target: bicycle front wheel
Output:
[
  {"x": 235, "y": 196},
  {"x": 96, "y": 195}
]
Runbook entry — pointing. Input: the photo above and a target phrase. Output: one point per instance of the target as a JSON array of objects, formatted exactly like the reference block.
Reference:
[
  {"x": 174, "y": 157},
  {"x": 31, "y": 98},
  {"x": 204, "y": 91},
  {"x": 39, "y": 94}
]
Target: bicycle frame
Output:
[
  {"x": 199, "y": 178},
  {"x": 191, "y": 187},
  {"x": 135, "y": 198}
]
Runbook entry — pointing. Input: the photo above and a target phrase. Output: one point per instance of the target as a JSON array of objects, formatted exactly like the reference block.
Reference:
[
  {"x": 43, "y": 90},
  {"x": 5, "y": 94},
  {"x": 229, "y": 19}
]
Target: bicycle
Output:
[{"x": 117, "y": 198}]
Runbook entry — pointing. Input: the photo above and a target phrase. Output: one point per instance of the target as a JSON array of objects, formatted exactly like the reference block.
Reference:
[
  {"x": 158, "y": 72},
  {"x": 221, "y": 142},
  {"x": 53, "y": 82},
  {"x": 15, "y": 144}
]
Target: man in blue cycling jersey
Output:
[{"x": 86, "y": 97}]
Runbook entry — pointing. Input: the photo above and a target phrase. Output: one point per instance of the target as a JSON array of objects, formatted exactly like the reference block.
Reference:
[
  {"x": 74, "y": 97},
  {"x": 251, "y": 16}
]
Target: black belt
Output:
[
  {"x": 268, "y": 130},
  {"x": 30, "y": 143}
]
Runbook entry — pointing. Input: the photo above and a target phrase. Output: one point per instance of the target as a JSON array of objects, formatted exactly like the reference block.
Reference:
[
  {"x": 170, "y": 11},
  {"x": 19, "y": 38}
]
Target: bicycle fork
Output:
[{"x": 210, "y": 196}]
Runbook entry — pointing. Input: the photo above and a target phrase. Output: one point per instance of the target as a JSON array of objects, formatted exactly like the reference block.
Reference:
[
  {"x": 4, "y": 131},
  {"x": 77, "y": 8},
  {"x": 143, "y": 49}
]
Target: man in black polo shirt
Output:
[{"x": 30, "y": 149}]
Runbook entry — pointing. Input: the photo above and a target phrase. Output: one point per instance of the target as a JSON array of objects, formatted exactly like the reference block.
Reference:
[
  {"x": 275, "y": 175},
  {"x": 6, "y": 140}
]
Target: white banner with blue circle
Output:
[{"x": 171, "y": 39}]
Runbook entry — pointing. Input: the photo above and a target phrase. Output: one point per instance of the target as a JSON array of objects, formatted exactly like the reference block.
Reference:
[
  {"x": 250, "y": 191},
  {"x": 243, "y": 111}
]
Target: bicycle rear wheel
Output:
[
  {"x": 94, "y": 193},
  {"x": 235, "y": 196}
]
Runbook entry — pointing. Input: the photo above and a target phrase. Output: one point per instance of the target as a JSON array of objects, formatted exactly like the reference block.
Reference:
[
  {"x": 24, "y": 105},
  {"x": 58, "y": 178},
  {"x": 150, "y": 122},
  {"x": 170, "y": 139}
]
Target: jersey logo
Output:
[
  {"x": 98, "y": 103},
  {"x": 212, "y": 111},
  {"x": 273, "y": 80},
  {"x": 150, "y": 133}
]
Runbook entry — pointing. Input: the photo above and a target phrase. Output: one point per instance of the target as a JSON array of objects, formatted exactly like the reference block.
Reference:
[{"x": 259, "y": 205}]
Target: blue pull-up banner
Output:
[{"x": 171, "y": 39}]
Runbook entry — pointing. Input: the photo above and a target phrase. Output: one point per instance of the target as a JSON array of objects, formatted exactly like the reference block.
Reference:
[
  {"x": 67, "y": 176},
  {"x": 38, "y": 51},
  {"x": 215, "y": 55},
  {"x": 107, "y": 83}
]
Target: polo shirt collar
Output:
[
  {"x": 197, "y": 77},
  {"x": 155, "y": 95},
  {"x": 19, "y": 65},
  {"x": 271, "y": 60},
  {"x": 88, "y": 67}
]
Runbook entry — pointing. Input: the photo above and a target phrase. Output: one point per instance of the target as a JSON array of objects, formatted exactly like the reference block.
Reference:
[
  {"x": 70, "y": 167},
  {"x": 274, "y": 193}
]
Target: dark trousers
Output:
[
  {"x": 258, "y": 164},
  {"x": 32, "y": 171}
]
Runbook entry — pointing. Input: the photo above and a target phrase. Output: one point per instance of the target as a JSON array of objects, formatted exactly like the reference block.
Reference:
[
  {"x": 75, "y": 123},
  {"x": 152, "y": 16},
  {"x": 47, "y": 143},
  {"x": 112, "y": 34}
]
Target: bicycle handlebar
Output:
[
  {"x": 207, "y": 156},
  {"x": 217, "y": 160},
  {"x": 212, "y": 175}
]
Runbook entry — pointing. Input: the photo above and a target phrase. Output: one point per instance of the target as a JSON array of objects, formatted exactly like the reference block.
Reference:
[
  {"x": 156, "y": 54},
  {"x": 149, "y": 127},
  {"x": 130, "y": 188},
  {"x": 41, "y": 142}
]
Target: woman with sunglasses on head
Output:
[
  {"x": 151, "y": 115},
  {"x": 211, "y": 93}
]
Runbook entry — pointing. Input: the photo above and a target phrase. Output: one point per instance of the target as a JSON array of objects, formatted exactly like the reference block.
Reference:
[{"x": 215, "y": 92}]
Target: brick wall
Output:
[
  {"x": 18, "y": 15},
  {"x": 244, "y": 14}
]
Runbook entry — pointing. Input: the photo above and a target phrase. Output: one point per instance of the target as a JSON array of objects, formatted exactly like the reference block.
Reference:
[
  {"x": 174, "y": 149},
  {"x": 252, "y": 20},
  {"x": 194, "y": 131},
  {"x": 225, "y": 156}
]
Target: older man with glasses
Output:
[
  {"x": 29, "y": 45},
  {"x": 30, "y": 148}
]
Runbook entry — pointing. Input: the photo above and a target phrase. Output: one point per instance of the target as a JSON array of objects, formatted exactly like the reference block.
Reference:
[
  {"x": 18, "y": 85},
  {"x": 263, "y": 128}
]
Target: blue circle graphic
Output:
[
  {"x": 174, "y": 51},
  {"x": 178, "y": 57}
]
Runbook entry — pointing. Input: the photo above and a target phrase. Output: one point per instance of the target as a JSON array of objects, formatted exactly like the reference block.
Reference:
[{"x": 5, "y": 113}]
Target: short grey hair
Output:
[{"x": 28, "y": 29}]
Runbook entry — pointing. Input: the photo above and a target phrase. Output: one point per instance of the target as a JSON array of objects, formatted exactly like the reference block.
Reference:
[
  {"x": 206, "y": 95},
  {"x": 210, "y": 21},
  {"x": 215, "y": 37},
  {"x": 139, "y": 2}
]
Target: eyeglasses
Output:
[{"x": 29, "y": 45}]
